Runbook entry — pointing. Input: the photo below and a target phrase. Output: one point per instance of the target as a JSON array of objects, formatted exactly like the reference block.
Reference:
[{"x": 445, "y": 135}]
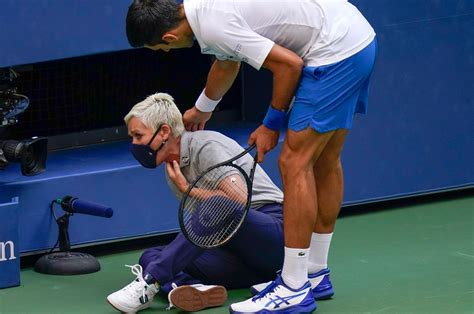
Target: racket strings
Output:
[
  {"x": 208, "y": 185},
  {"x": 216, "y": 208}
]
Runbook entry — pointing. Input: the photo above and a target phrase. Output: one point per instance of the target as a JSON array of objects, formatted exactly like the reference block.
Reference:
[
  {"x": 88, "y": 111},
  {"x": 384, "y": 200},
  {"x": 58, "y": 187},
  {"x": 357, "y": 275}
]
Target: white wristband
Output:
[{"x": 205, "y": 104}]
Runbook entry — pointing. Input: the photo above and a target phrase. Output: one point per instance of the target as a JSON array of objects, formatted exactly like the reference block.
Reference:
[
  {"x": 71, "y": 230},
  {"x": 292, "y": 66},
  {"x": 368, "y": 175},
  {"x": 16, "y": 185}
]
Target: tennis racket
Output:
[{"x": 215, "y": 205}]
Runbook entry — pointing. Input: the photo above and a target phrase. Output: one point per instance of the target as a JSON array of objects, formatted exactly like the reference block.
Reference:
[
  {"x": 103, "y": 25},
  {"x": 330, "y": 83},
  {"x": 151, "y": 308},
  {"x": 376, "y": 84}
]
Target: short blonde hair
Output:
[{"x": 157, "y": 109}]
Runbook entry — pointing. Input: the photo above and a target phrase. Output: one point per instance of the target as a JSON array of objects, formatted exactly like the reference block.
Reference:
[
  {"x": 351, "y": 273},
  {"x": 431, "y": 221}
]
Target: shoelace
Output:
[
  {"x": 267, "y": 291},
  {"x": 137, "y": 270},
  {"x": 171, "y": 305}
]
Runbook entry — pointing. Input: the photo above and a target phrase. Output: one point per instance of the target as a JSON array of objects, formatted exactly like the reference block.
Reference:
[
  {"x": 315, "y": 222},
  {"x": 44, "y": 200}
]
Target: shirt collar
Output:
[{"x": 184, "y": 153}]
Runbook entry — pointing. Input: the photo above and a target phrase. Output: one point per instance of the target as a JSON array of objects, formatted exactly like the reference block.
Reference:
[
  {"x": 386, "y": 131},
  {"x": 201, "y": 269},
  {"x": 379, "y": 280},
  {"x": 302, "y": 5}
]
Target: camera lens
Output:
[
  {"x": 12, "y": 150},
  {"x": 31, "y": 154},
  {"x": 28, "y": 159}
]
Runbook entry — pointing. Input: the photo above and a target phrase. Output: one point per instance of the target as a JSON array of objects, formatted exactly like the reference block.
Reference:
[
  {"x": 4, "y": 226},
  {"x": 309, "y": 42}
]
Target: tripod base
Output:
[{"x": 67, "y": 263}]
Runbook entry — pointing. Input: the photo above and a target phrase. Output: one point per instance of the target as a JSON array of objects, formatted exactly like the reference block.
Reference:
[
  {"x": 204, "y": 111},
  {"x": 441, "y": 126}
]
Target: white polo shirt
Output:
[{"x": 319, "y": 31}]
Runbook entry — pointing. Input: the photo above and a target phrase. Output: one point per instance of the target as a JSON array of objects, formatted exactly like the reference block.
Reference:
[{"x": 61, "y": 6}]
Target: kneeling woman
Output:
[{"x": 181, "y": 269}]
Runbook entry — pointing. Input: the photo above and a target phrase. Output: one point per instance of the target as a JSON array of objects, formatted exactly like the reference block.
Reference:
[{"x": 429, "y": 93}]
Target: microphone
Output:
[{"x": 73, "y": 205}]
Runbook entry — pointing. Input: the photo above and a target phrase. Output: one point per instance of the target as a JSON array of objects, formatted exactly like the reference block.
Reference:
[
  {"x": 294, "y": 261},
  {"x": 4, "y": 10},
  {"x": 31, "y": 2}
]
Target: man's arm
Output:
[
  {"x": 286, "y": 67},
  {"x": 220, "y": 78}
]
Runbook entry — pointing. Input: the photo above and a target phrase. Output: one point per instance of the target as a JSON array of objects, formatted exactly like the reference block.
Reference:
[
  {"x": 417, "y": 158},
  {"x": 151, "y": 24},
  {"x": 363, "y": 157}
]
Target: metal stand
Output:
[{"x": 65, "y": 262}]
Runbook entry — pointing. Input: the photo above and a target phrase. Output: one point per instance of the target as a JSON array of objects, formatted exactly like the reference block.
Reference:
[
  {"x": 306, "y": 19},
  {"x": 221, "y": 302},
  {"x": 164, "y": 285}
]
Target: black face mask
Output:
[{"x": 144, "y": 154}]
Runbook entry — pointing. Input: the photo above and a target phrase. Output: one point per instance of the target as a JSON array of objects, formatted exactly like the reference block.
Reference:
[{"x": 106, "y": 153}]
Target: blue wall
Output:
[
  {"x": 417, "y": 137},
  {"x": 41, "y": 30}
]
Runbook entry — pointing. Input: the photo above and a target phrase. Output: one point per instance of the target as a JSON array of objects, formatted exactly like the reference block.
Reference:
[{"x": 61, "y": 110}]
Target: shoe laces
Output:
[
  {"x": 171, "y": 305},
  {"x": 137, "y": 270},
  {"x": 268, "y": 291}
]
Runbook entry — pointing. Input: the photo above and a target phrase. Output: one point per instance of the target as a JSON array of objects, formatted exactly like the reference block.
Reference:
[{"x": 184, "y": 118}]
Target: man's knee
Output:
[
  {"x": 295, "y": 159},
  {"x": 291, "y": 164},
  {"x": 302, "y": 149}
]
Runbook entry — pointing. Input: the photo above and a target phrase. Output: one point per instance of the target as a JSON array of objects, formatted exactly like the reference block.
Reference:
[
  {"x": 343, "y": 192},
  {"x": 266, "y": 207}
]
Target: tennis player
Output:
[
  {"x": 159, "y": 137},
  {"x": 322, "y": 53}
]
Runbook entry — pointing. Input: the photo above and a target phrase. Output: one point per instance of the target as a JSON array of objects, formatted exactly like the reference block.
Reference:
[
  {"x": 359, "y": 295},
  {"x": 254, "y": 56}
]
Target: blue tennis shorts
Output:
[{"x": 328, "y": 96}]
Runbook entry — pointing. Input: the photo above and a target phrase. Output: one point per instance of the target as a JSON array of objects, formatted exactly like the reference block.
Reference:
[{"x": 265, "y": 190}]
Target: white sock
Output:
[
  {"x": 318, "y": 254},
  {"x": 295, "y": 267}
]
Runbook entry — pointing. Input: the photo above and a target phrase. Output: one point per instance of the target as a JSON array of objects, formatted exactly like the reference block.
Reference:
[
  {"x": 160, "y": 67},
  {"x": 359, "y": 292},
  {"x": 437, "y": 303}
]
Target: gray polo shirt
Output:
[{"x": 202, "y": 149}]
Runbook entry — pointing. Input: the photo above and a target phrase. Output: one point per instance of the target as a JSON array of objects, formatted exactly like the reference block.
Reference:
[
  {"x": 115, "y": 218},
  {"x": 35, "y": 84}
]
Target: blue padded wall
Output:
[
  {"x": 40, "y": 30},
  {"x": 417, "y": 136}
]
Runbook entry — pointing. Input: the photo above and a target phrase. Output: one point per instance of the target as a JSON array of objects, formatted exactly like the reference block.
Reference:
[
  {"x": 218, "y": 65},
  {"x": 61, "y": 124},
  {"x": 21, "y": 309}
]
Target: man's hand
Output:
[
  {"x": 194, "y": 119},
  {"x": 175, "y": 175},
  {"x": 266, "y": 139}
]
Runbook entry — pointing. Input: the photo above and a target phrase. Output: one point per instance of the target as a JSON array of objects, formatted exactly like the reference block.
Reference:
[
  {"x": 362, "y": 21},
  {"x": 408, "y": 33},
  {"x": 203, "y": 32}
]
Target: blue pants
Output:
[{"x": 252, "y": 256}]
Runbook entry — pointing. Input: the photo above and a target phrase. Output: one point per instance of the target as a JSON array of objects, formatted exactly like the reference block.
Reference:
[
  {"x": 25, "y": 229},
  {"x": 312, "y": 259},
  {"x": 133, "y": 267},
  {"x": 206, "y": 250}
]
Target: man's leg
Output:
[
  {"x": 299, "y": 154},
  {"x": 329, "y": 188},
  {"x": 329, "y": 183},
  {"x": 291, "y": 291}
]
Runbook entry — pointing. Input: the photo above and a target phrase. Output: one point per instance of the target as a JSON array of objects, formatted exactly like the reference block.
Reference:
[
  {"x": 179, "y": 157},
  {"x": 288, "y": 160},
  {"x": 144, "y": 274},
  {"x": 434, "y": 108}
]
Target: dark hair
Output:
[{"x": 149, "y": 20}]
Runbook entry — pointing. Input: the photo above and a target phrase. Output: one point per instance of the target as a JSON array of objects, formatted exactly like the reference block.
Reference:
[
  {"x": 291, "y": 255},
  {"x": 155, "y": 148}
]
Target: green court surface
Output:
[{"x": 416, "y": 258}]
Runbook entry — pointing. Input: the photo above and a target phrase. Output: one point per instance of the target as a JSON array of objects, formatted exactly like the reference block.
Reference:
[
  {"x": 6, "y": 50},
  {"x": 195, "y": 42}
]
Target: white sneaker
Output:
[
  {"x": 320, "y": 285},
  {"x": 192, "y": 298},
  {"x": 278, "y": 298},
  {"x": 134, "y": 297}
]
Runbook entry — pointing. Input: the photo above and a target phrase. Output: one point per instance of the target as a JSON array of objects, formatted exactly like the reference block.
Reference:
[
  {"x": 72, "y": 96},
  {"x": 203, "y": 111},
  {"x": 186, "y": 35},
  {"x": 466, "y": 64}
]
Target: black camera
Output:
[{"x": 31, "y": 153}]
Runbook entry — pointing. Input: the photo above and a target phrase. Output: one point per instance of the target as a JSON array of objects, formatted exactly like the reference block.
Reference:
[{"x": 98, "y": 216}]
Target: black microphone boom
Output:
[{"x": 73, "y": 205}]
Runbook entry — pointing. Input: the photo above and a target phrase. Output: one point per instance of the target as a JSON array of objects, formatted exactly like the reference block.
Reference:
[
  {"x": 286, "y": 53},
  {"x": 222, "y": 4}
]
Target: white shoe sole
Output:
[
  {"x": 123, "y": 309},
  {"x": 190, "y": 299}
]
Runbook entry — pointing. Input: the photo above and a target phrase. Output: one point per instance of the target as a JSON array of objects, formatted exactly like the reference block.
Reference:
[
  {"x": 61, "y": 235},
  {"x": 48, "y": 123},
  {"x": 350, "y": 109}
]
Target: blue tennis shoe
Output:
[
  {"x": 277, "y": 297},
  {"x": 320, "y": 284}
]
